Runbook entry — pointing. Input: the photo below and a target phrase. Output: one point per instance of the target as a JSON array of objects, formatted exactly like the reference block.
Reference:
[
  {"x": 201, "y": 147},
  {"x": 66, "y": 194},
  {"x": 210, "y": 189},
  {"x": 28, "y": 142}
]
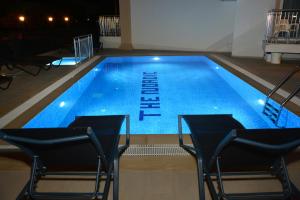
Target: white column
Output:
[
  {"x": 276, "y": 58},
  {"x": 250, "y": 26}
]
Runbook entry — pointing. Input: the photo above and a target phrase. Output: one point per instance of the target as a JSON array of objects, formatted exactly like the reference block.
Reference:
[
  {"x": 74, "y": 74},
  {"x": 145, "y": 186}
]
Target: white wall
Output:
[
  {"x": 249, "y": 28},
  {"x": 111, "y": 42},
  {"x": 203, "y": 25}
]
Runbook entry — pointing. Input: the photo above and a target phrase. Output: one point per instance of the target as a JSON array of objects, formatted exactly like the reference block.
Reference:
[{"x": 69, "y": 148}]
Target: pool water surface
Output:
[{"x": 155, "y": 90}]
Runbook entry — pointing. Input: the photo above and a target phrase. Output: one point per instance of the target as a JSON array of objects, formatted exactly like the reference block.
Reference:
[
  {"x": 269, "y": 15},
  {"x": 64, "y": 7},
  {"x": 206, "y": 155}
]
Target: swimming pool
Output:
[{"x": 155, "y": 90}]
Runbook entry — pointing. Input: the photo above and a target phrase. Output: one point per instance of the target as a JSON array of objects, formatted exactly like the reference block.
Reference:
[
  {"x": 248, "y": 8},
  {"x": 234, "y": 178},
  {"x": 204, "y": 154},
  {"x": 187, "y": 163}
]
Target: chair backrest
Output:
[
  {"x": 208, "y": 130},
  {"x": 255, "y": 149},
  {"x": 106, "y": 129},
  {"x": 69, "y": 148},
  {"x": 282, "y": 25}
]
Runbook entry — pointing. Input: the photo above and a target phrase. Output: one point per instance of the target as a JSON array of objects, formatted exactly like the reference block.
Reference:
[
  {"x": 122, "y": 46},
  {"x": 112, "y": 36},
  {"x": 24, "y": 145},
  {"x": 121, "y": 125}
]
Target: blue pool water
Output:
[
  {"x": 67, "y": 61},
  {"x": 155, "y": 90}
]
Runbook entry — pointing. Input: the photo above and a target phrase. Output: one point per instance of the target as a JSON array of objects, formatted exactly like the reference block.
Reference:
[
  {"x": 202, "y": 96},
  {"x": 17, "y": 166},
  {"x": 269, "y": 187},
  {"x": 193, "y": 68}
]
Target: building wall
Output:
[
  {"x": 111, "y": 42},
  {"x": 250, "y": 26},
  {"x": 203, "y": 25}
]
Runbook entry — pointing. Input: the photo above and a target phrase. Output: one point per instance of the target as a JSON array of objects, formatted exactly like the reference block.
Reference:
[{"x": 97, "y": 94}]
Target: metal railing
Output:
[
  {"x": 109, "y": 26},
  {"x": 283, "y": 26},
  {"x": 274, "y": 112},
  {"x": 83, "y": 47}
]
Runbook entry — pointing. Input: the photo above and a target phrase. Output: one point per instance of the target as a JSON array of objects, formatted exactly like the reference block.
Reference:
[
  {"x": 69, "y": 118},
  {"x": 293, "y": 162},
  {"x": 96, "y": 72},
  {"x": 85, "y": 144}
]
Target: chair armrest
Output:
[
  {"x": 127, "y": 118},
  {"x": 269, "y": 147},
  {"x": 189, "y": 149},
  {"x": 127, "y": 136},
  {"x": 180, "y": 138},
  {"x": 46, "y": 142}
]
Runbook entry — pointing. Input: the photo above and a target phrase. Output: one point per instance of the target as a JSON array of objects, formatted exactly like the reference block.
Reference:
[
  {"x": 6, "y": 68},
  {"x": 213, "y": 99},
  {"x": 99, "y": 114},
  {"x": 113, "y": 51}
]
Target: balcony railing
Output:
[
  {"x": 283, "y": 26},
  {"x": 109, "y": 26}
]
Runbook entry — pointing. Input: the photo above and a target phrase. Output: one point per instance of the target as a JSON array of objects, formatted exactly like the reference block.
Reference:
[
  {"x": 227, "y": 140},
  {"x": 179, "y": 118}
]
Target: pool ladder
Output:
[{"x": 274, "y": 112}]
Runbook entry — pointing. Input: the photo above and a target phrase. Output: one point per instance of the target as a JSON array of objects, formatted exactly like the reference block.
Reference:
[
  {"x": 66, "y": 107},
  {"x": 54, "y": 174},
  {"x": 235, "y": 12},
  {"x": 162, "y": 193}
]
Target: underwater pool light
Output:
[
  {"x": 62, "y": 104},
  {"x": 156, "y": 58},
  {"x": 261, "y": 102}
]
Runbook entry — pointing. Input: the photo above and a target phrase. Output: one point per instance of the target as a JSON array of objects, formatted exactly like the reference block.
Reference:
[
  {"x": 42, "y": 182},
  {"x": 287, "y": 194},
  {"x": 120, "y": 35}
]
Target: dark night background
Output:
[{"x": 37, "y": 35}]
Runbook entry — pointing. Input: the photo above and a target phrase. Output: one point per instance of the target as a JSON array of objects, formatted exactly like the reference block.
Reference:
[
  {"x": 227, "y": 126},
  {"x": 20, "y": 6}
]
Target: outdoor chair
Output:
[
  {"x": 11, "y": 60},
  {"x": 88, "y": 147},
  {"x": 285, "y": 28},
  {"x": 5, "y": 81},
  {"x": 223, "y": 148},
  {"x": 282, "y": 26}
]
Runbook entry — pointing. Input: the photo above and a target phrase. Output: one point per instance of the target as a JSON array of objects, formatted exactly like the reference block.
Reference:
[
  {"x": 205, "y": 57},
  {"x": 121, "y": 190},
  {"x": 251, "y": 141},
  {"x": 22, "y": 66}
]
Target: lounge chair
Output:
[
  {"x": 224, "y": 148},
  {"x": 11, "y": 59},
  {"x": 5, "y": 81},
  {"x": 88, "y": 147}
]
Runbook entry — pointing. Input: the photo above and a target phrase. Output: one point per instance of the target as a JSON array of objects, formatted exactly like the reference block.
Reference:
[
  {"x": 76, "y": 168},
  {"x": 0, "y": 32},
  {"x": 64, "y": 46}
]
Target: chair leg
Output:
[
  {"x": 33, "y": 176},
  {"x": 116, "y": 179},
  {"x": 107, "y": 183},
  {"x": 98, "y": 176},
  {"x": 211, "y": 187},
  {"x": 219, "y": 179},
  {"x": 282, "y": 174},
  {"x": 9, "y": 80},
  {"x": 201, "y": 185}
]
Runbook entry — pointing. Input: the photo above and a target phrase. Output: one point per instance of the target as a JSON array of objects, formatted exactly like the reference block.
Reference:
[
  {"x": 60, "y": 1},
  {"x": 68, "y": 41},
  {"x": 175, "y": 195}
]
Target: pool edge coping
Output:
[{"x": 283, "y": 93}]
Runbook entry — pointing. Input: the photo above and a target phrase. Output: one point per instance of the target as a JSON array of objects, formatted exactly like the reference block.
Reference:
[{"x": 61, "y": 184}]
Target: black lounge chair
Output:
[
  {"x": 5, "y": 81},
  {"x": 11, "y": 60},
  {"x": 224, "y": 148},
  {"x": 88, "y": 147}
]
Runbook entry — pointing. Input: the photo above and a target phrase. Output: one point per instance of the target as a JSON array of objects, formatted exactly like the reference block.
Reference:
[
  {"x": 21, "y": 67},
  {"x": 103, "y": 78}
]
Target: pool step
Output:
[
  {"x": 269, "y": 107},
  {"x": 272, "y": 112}
]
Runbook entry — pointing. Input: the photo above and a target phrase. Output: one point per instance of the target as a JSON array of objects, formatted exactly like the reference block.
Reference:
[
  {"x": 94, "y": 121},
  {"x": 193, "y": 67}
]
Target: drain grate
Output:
[{"x": 155, "y": 150}]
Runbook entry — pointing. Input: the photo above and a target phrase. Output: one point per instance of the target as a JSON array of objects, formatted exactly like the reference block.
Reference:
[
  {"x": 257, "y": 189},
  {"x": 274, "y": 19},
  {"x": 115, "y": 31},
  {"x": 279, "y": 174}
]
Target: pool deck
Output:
[{"x": 150, "y": 177}]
